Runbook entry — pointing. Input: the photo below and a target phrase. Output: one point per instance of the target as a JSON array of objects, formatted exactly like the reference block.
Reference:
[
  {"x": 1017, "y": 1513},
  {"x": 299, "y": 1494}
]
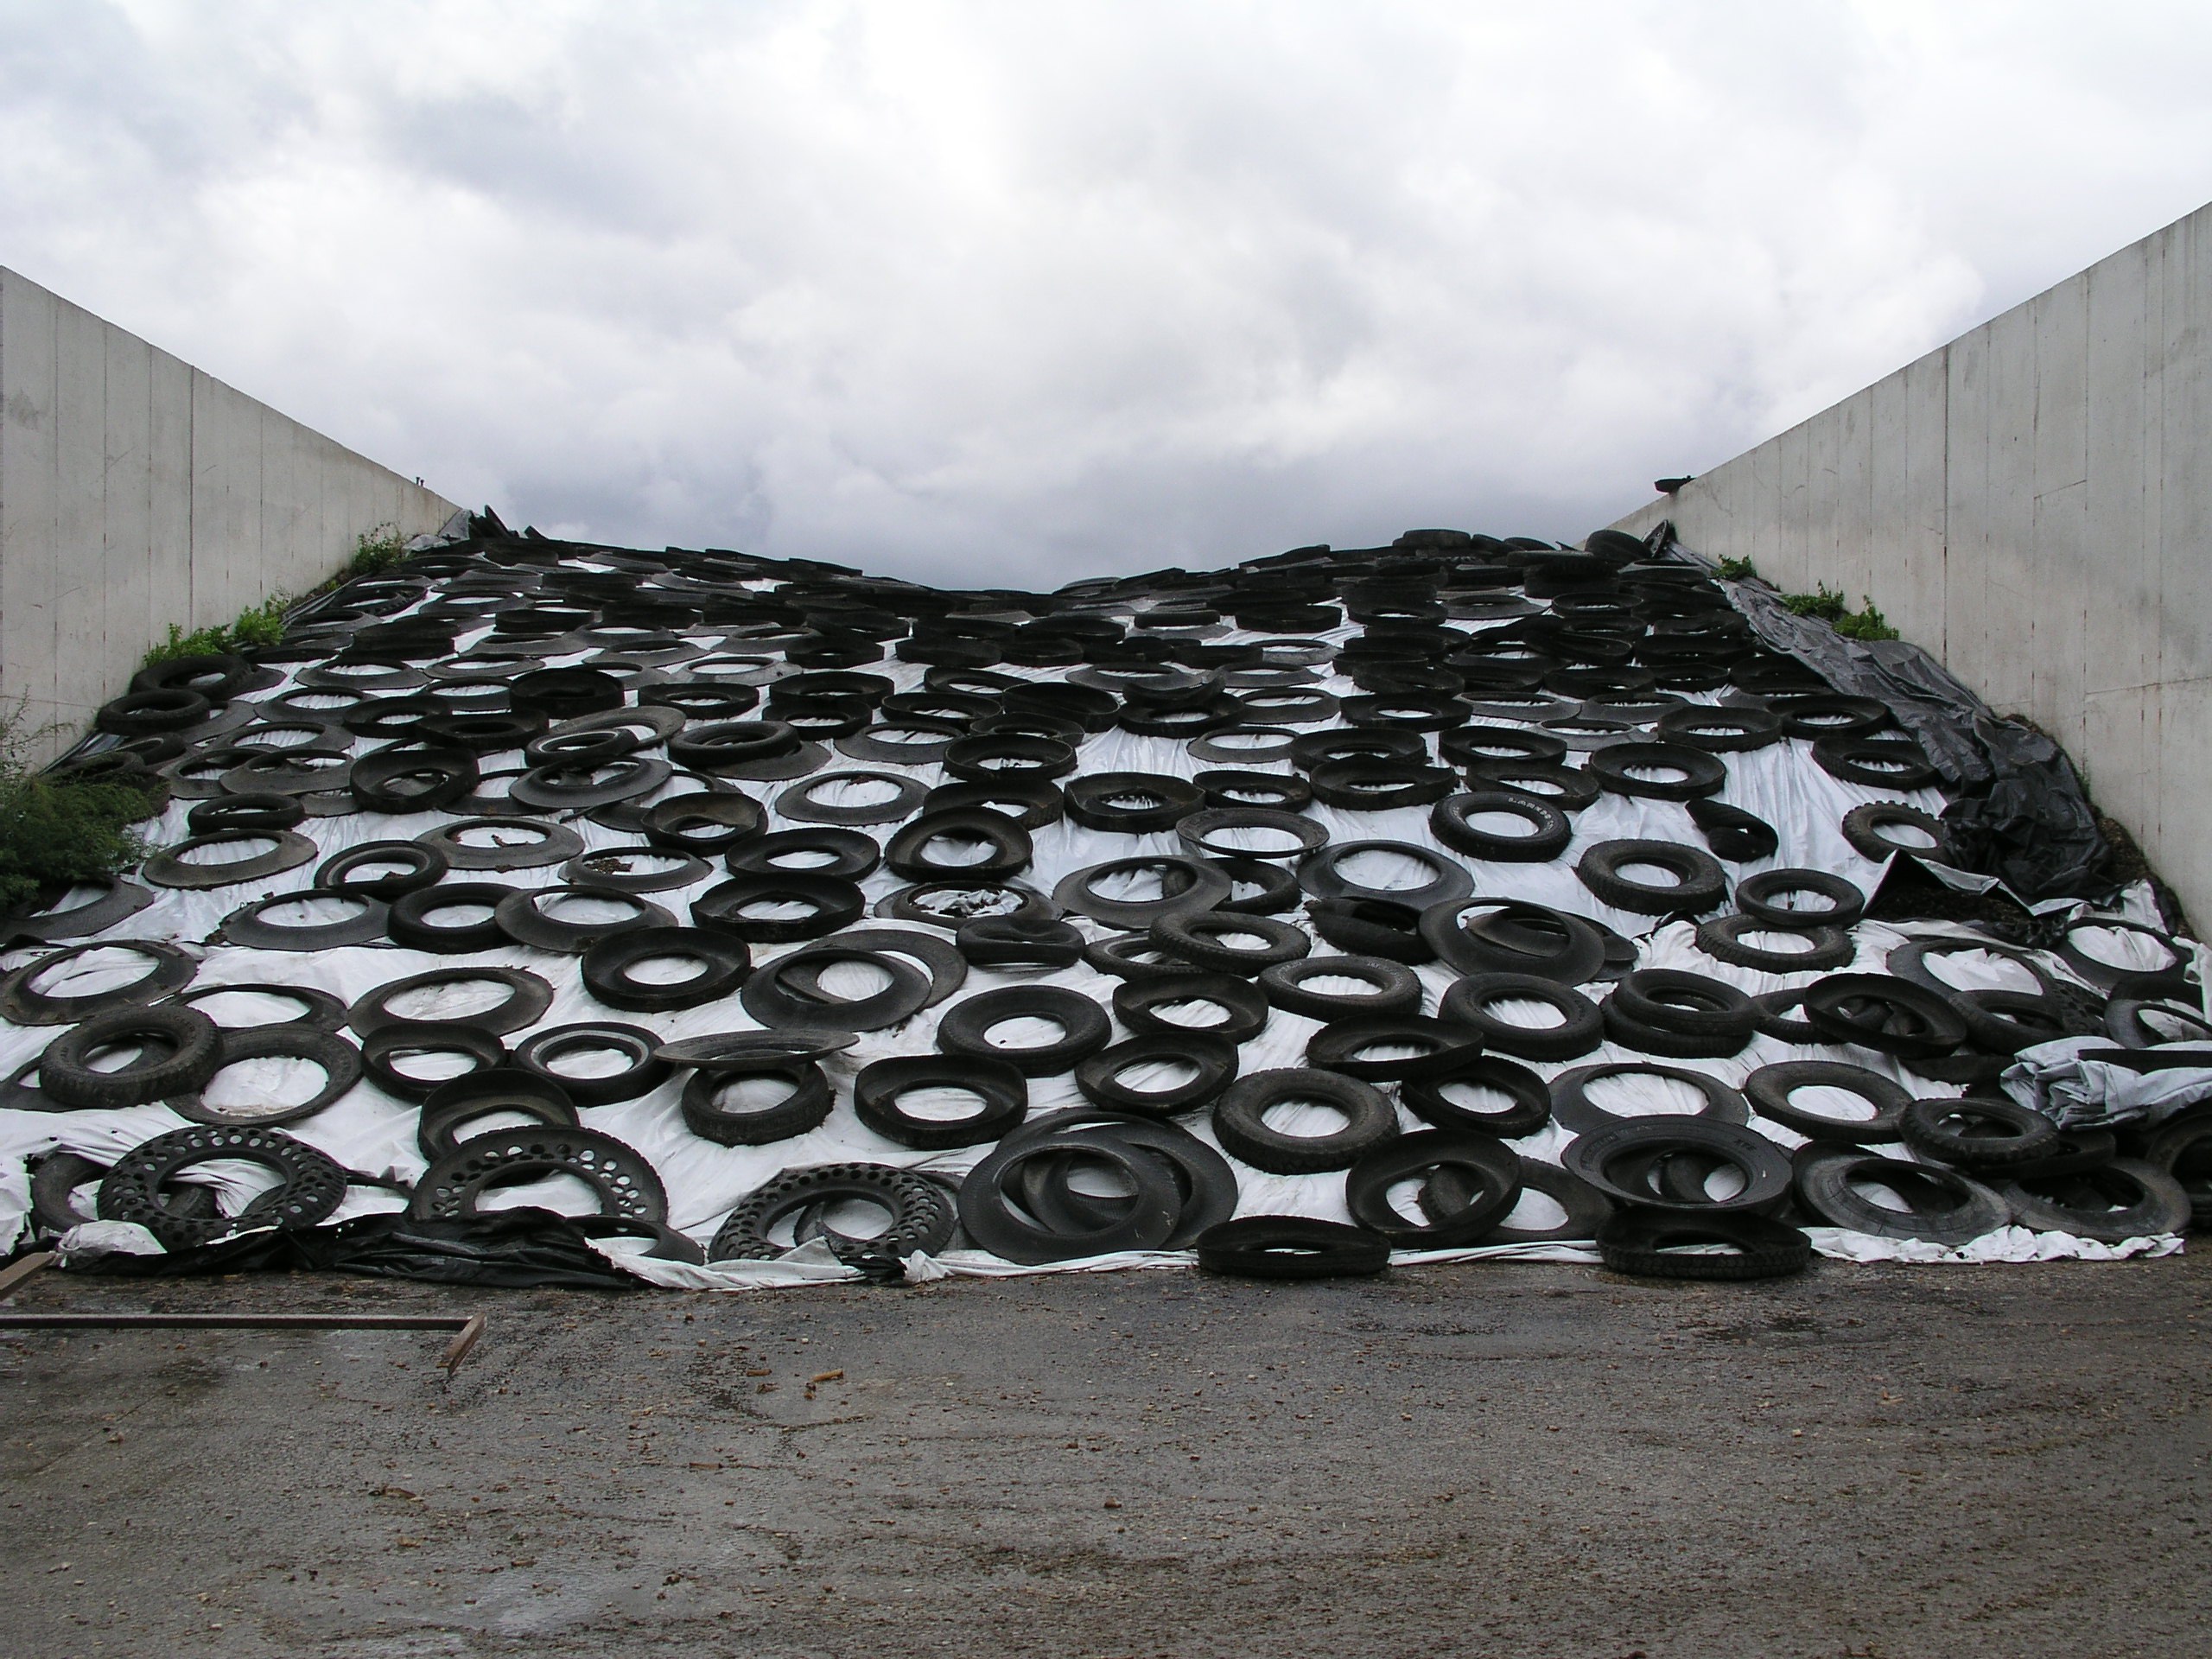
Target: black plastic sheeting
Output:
[
  {"x": 2018, "y": 812},
  {"x": 517, "y": 1249}
]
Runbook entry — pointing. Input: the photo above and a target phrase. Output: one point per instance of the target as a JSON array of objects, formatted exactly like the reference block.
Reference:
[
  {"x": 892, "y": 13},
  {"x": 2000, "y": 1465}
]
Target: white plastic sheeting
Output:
[{"x": 372, "y": 1131}]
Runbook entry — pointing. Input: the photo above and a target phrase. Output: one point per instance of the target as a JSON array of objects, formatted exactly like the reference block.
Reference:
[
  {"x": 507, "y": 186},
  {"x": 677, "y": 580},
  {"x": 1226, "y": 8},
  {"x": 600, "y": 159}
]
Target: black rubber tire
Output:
[
  {"x": 21, "y": 1003},
  {"x": 1203, "y": 1181},
  {"x": 1760, "y": 896},
  {"x": 338, "y": 1059},
  {"x": 521, "y": 917},
  {"x": 168, "y": 868},
  {"x": 1913, "y": 1022},
  {"x": 1702, "y": 886},
  {"x": 606, "y": 968},
  {"x": 1292, "y": 1248},
  {"x": 1439, "y": 1047},
  {"x": 1130, "y": 803},
  {"x": 409, "y": 922},
  {"x": 645, "y": 1071},
  {"x": 1768, "y": 1089},
  {"x": 730, "y": 819},
  {"x": 1011, "y": 849},
  {"x": 1239, "y": 1121},
  {"x": 440, "y": 773},
  {"x": 1686, "y": 1004},
  {"x": 1507, "y": 936},
  {"x": 529, "y": 997},
  {"x": 309, "y": 1184},
  {"x": 1397, "y": 987},
  {"x": 1636, "y": 1142},
  {"x": 774, "y": 1004},
  {"x": 1033, "y": 944},
  {"x": 548, "y": 843},
  {"x": 1740, "y": 837},
  {"x": 1627, "y": 1032},
  {"x": 1529, "y": 1094},
  {"x": 1194, "y": 828},
  {"x": 1952, "y": 1209},
  {"x": 1098, "y": 1076},
  {"x": 624, "y": 1179},
  {"x": 1863, "y": 827},
  {"x": 1581, "y": 1026},
  {"x": 1196, "y": 884},
  {"x": 1371, "y": 927},
  {"x": 1196, "y": 936},
  {"x": 1085, "y": 1028},
  {"x": 1268, "y": 791},
  {"x": 385, "y": 1044},
  {"x": 1549, "y": 834},
  {"x": 144, "y": 713},
  {"x": 2126, "y": 1023},
  {"x": 2183, "y": 1147},
  {"x": 1576, "y": 1113},
  {"x": 2171, "y": 981},
  {"x": 1484, "y": 1200},
  {"x": 1934, "y": 1127},
  {"x": 425, "y": 864},
  {"x": 1614, "y": 767},
  {"x": 1634, "y": 1241},
  {"x": 606, "y": 868},
  {"x": 2004, "y": 1023},
  {"x": 805, "y": 1109},
  {"x": 1244, "y": 1003},
  {"x": 455, "y": 1104},
  {"x": 1721, "y": 937},
  {"x": 1569, "y": 788},
  {"x": 1147, "y": 1221},
  {"x": 2126, "y": 1198},
  {"x": 922, "y": 1215},
  {"x": 836, "y": 903},
  {"x": 1586, "y": 1208},
  {"x": 880, "y": 1084},
  {"x": 1720, "y": 728},
  {"x": 1893, "y": 762},
  {"x": 251, "y": 814},
  {"x": 180, "y": 1049},
  {"x": 1321, "y": 875}
]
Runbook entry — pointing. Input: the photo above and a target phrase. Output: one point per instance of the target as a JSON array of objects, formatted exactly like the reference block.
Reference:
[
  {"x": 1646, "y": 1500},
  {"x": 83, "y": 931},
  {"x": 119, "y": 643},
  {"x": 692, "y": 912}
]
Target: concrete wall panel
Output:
[
  {"x": 2033, "y": 503},
  {"x": 137, "y": 492}
]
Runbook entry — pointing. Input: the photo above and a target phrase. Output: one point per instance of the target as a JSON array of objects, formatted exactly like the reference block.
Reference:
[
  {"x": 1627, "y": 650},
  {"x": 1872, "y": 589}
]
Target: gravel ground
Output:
[{"x": 1517, "y": 1461}]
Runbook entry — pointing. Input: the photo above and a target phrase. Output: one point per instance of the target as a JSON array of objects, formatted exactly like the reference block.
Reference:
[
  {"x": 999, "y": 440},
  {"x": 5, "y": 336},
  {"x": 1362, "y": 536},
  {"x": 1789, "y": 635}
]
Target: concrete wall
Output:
[
  {"x": 2031, "y": 503},
  {"x": 136, "y": 491}
]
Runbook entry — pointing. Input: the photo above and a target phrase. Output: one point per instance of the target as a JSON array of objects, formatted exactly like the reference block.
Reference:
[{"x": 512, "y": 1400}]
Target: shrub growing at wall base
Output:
[
  {"x": 54, "y": 832},
  {"x": 263, "y": 625},
  {"x": 1828, "y": 605}
]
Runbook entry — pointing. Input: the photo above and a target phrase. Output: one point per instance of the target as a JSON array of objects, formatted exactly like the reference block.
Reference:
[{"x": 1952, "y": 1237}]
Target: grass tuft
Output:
[{"x": 55, "y": 832}]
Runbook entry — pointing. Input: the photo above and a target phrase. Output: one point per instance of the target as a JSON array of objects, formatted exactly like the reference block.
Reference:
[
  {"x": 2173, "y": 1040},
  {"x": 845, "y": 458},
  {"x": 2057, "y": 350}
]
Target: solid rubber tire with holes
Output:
[
  {"x": 310, "y": 1186},
  {"x": 922, "y": 1214}
]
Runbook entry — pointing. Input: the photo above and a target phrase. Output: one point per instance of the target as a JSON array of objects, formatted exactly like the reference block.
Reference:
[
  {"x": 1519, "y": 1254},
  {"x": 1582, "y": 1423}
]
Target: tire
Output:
[
  {"x": 1896, "y": 762},
  {"x": 1768, "y": 1089},
  {"x": 1580, "y": 1030},
  {"x": 1291, "y": 1246},
  {"x": 385, "y": 1045},
  {"x": 1863, "y": 827},
  {"x": 1577, "y": 1114},
  {"x": 1549, "y": 833},
  {"x": 1634, "y": 1242},
  {"x": 1195, "y": 937},
  {"x": 2183, "y": 1148},
  {"x": 1740, "y": 837},
  {"x": 339, "y": 1061},
  {"x": 1371, "y": 927},
  {"x": 1530, "y": 1098},
  {"x": 1243, "y": 1003},
  {"x": 310, "y": 1186},
  {"x": 409, "y": 921},
  {"x": 1882, "y": 1013},
  {"x": 2125, "y": 1199},
  {"x": 1823, "y": 1185},
  {"x": 1586, "y": 1208},
  {"x": 1686, "y": 1004},
  {"x": 1721, "y": 937},
  {"x": 1239, "y": 1121},
  {"x": 1944, "y": 1130},
  {"x": 530, "y": 996},
  {"x": 1481, "y": 1202},
  {"x": 922, "y": 1214},
  {"x": 1720, "y": 728},
  {"x": 645, "y": 1071},
  {"x": 607, "y": 967},
  {"x": 1701, "y": 887},
  {"x": 1084, "y": 1029},
  {"x": 1760, "y": 896},
  {"x": 1098, "y": 1076},
  {"x": 1397, "y": 987},
  {"x": 180, "y": 1049},
  {"x": 425, "y": 866},
  {"x": 1605, "y": 1158},
  {"x": 879, "y": 1085},
  {"x": 1615, "y": 767},
  {"x": 803, "y": 1111}
]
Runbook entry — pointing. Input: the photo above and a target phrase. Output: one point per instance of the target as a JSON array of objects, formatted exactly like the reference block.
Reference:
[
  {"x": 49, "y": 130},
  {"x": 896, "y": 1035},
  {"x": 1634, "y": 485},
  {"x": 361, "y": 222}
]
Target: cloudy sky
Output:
[{"x": 1019, "y": 292}]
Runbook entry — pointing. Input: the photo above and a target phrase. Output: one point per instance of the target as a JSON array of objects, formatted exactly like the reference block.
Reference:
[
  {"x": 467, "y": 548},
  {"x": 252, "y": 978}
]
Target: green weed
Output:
[{"x": 54, "y": 832}]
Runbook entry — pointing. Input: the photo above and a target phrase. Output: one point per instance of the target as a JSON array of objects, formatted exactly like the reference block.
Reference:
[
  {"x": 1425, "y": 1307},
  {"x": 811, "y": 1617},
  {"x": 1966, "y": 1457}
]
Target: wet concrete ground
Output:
[{"x": 1509, "y": 1461}]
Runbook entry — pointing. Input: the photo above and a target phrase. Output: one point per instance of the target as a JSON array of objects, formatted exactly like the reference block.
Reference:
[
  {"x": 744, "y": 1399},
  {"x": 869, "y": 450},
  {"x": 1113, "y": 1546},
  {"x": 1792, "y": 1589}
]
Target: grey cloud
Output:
[{"x": 989, "y": 293}]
